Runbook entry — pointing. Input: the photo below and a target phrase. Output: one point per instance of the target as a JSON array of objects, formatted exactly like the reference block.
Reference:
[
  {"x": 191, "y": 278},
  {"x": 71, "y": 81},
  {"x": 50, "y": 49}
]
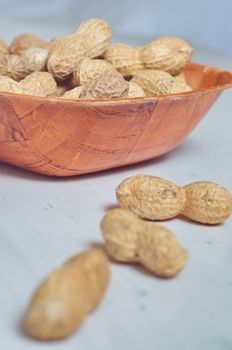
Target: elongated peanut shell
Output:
[
  {"x": 156, "y": 82},
  {"x": 150, "y": 197},
  {"x": 167, "y": 53},
  {"x": 125, "y": 58},
  {"x": 67, "y": 295},
  {"x": 90, "y": 40},
  {"x": 25, "y": 41},
  {"x": 106, "y": 87},
  {"x": 39, "y": 84},
  {"x": 207, "y": 202},
  {"x": 129, "y": 239},
  {"x": 91, "y": 69}
]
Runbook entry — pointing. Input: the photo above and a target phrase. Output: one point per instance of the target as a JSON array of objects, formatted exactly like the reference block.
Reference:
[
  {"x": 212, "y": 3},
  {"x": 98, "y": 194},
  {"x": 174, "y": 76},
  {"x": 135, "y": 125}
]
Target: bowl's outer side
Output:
[{"x": 68, "y": 138}]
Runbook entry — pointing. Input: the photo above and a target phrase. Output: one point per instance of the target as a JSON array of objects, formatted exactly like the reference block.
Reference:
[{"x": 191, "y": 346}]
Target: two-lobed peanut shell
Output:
[
  {"x": 90, "y": 40},
  {"x": 156, "y": 82},
  {"x": 67, "y": 296},
  {"x": 166, "y": 53},
  {"x": 154, "y": 198},
  {"x": 129, "y": 239}
]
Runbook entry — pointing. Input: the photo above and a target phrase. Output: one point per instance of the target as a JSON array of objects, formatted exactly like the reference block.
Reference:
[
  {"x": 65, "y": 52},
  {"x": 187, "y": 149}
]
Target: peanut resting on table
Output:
[
  {"x": 67, "y": 296},
  {"x": 153, "y": 198},
  {"x": 85, "y": 59},
  {"x": 129, "y": 239}
]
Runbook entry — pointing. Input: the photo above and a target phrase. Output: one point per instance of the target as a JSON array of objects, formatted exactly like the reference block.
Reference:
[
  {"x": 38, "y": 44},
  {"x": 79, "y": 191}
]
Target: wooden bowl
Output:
[{"x": 66, "y": 137}]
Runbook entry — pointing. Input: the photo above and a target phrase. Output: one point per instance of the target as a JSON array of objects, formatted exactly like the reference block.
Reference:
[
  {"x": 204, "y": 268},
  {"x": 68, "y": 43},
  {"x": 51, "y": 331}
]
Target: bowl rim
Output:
[{"x": 182, "y": 95}]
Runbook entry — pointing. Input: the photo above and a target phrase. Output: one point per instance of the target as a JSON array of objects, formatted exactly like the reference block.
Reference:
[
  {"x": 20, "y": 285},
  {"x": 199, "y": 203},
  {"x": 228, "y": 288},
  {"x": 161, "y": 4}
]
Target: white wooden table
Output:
[{"x": 44, "y": 220}]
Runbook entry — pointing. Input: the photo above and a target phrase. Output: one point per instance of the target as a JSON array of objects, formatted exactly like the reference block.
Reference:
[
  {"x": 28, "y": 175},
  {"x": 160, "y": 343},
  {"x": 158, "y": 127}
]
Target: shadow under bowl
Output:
[{"x": 60, "y": 137}]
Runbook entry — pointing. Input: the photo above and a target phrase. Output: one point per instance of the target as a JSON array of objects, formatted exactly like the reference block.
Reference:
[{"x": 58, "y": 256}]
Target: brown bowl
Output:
[{"x": 66, "y": 137}]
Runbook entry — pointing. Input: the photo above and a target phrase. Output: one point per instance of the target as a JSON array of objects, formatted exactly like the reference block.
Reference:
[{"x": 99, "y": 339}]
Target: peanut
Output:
[
  {"x": 39, "y": 84},
  {"x": 67, "y": 296},
  {"x": 89, "y": 41},
  {"x": 129, "y": 239},
  {"x": 125, "y": 58},
  {"x": 108, "y": 86},
  {"x": 135, "y": 90},
  {"x": 3, "y": 47},
  {"x": 155, "y": 82},
  {"x": 154, "y": 198},
  {"x": 25, "y": 41},
  {"x": 91, "y": 69},
  {"x": 167, "y": 53},
  {"x": 9, "y": 85},
  {"x": 35, "y": 58},
  {"x": 13, "y": 66}
]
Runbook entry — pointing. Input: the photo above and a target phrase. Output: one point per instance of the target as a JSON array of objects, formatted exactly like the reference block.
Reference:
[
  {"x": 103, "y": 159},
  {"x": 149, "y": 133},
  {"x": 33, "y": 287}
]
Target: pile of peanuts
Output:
[
  {"x": 69, "y": 293},
  {"x": 84, "y": 65}
]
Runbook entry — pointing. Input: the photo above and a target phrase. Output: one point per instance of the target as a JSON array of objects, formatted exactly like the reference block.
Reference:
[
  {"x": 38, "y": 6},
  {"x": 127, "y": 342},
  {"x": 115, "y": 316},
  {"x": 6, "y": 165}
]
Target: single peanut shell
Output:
[
  {"x": 89, "y": 41},
  {"x": 39, "y": 84},
  {"x": 125, "y": 58},
  {"x": 9, "y": 85},
  {"x": 167, "y": 53},
  {"x": 67, "y": 295},
  {"x": 150, "y": 197},
  {"x": 155, "y": 83},
  {"x": 129, "y": 239},
  {"x": 147, "y": 80},
  {"x": 167, "y": 87},
  {"x": 13, "y": 66},
  {"x": 107, "y": 87},
  {"x": 91, "y": 69},
  {"x": 74, "y": 93},
  {"x": 207, "y": 202},
  {"x": 135, "y": 90},
  {"x": 3, "y": 47},
  {"x": 35, "y": 58},
  {"x": 23, "y": 42}
]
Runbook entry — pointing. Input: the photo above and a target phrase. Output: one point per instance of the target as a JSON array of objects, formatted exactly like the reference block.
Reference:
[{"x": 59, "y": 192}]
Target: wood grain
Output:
[{"x": 68, "y": 137}]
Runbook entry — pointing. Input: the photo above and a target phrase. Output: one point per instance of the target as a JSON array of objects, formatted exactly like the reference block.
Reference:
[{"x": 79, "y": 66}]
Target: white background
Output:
[{"x": 205, "y": 23}]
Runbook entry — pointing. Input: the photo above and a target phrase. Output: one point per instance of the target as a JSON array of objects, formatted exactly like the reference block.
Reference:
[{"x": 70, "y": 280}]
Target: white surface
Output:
[{"x": 44, "y": 220}]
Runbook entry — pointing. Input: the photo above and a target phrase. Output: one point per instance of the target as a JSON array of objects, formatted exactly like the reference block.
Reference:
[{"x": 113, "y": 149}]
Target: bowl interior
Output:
[{"x": 201, "y": 77}]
